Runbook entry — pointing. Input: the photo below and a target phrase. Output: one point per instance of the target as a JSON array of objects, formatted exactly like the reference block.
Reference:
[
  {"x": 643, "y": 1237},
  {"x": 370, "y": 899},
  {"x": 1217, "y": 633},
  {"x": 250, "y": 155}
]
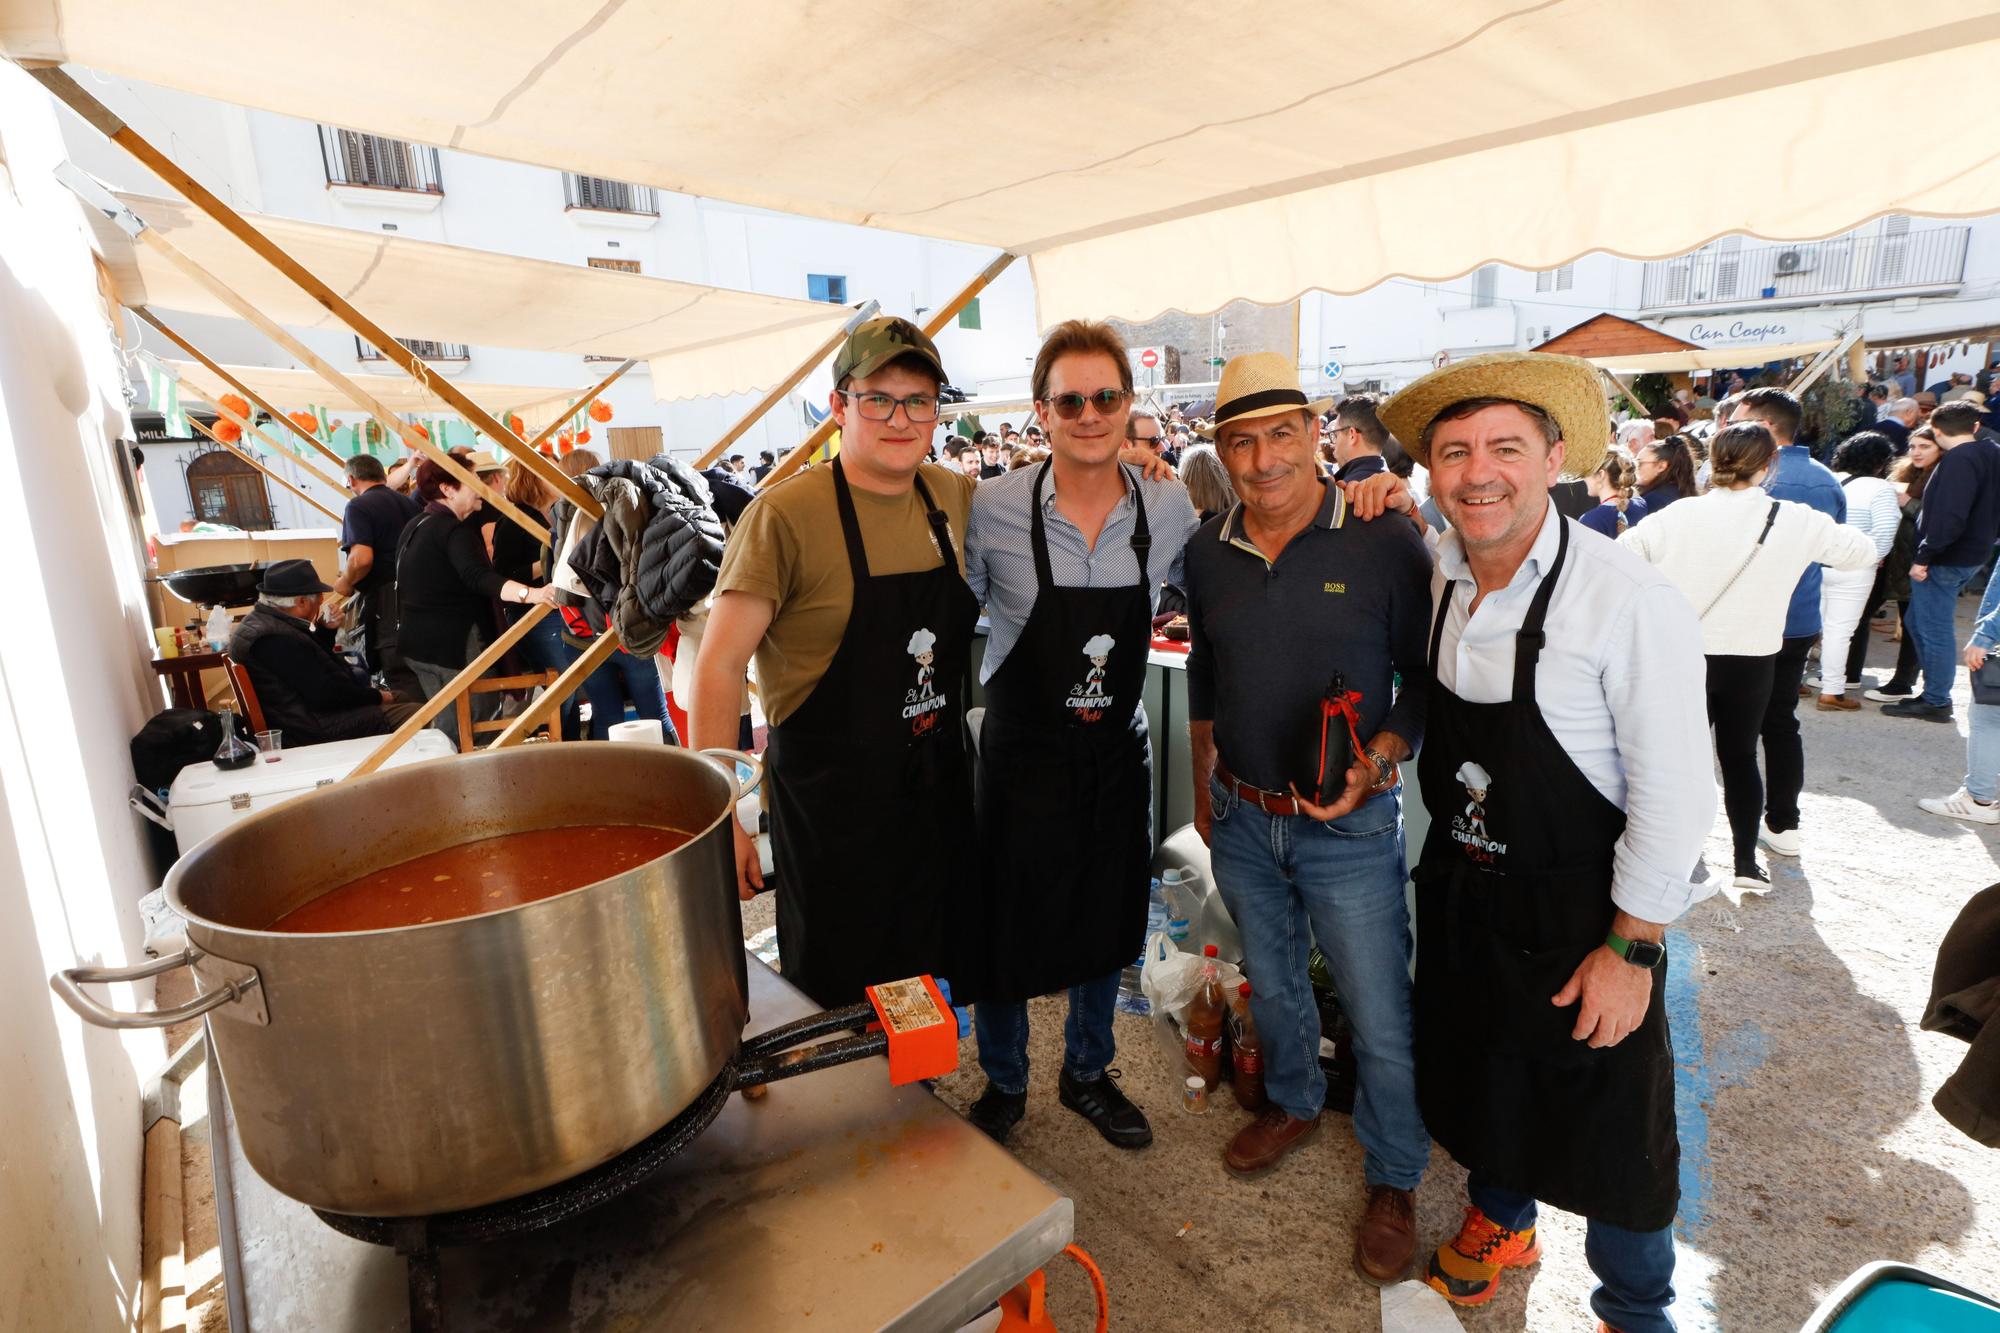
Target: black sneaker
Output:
[
  {"x": 1752, "y": 879},
  {"x": 1104, "y": 1105},
  {"x": 1917, "y": 708},
  {"x": 1894, "y": 691},
  {"x": 996, "y": 1113}
]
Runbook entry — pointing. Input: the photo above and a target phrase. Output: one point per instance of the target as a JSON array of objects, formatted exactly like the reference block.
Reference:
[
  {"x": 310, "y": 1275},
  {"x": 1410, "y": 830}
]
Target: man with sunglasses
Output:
[
  {"x": 845, "y": 582},
  {"x": 1068, "y": 556}
]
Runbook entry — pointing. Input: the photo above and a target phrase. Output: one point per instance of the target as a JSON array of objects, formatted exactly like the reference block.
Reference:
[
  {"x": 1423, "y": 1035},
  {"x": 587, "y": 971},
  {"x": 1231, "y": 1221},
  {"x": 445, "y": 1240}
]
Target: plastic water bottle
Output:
[
  {"x": 1180, "y": 904},
  {"x": 1131, "y": 998}
]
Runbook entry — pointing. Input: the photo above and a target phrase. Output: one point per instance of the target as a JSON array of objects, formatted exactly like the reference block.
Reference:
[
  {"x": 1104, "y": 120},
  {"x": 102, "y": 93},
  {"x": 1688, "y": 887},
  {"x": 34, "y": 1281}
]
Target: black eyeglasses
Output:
[
  {"x": 1069, "y": 406},
  {"x": 920, "y": 408}
]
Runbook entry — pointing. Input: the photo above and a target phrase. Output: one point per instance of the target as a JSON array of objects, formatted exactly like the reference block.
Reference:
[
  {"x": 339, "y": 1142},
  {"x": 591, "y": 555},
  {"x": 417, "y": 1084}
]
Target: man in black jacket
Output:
[
  {"x": 304, "y": 689},
  {"x": 1955, "y": 534}
]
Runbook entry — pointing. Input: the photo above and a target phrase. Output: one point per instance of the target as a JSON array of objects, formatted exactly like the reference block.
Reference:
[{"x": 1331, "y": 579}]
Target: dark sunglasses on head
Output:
[{"x": 1069, "y": 406}]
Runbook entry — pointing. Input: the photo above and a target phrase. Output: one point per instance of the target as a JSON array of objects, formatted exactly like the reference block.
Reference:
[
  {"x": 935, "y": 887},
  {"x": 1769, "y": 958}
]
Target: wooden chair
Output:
[
  {"x": 246, "y": 695},
  {"x": 470, "y": 731}
]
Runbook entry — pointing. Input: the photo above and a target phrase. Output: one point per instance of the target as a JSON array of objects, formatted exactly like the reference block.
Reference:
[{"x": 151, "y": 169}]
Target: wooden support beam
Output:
[
  {"x": 792, "y": 461},
  {"x": 458, "y": 684},
  {"x": 216, "y": 369},
  {"x": 1822, "y": 363},
  {"x": 72, "y": 94},
  {"x": 338, "y": 485},
  {"x": 273, "y": 475},
  {"x": 162, "y": 1233},
  {"x": 277, "y": 333},
  {"x": 789, "y": 383},
  {"x": 543, "y": 709},
  {"x": 535, "y": 445}
]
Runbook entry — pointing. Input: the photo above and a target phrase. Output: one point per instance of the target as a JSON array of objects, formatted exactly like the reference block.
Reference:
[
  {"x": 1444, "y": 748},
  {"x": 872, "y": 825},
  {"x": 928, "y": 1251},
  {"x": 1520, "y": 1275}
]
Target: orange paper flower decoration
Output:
[
  {"x": 231, "y": 403},
  {"x": 305, "y": 422},
  {"x": 600, "y": 411},
  {"x": 583, "y": 437},
  {"x": 518, "y": 426},
  {"x": 228, "y": 432}
]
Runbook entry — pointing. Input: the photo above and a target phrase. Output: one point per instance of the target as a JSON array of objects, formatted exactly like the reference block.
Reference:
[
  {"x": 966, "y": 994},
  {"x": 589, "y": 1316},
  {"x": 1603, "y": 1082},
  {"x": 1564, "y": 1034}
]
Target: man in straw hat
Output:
[
  {"x": 1566, "y": 679},
  {"x": 1287, "y": 601}
]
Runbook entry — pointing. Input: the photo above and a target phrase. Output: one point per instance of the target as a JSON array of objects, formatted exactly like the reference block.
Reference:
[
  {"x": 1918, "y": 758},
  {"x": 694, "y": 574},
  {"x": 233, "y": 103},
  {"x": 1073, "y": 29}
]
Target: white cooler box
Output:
[{"x": 205, "y": 799}]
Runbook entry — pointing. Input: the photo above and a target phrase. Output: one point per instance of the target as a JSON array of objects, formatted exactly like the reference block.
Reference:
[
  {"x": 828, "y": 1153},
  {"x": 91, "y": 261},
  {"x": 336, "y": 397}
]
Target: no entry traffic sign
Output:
[{"x": 1149, "y": 358}]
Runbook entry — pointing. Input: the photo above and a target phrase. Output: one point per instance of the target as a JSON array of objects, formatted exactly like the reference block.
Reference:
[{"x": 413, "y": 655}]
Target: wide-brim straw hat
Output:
[
  {"x": 1565, "y": 387},
  {"x": 1259, "y": 384}
]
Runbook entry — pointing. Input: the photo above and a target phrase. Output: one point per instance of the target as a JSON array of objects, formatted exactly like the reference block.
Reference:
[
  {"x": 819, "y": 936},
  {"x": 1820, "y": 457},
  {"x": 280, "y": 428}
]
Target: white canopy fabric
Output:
[
  {"x": 289, "y": 390},
  {"x": 1178, "y": 154},
  {"x": 1711, "y": 358},
  {"x": 697, "y": 340}
]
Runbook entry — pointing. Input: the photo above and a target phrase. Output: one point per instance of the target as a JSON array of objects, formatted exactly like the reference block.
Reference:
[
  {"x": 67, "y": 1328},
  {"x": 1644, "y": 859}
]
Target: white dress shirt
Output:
[{"x": 1620, "y": 683}]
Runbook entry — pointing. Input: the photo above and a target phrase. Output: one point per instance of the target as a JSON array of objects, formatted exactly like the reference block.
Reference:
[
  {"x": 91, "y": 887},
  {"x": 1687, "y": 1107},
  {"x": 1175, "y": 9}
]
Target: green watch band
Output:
[{"x": 1639, "y": 953}]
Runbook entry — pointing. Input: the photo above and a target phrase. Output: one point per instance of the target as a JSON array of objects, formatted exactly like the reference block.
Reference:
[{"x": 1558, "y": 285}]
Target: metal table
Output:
[{"x": 837, "y": 1201}]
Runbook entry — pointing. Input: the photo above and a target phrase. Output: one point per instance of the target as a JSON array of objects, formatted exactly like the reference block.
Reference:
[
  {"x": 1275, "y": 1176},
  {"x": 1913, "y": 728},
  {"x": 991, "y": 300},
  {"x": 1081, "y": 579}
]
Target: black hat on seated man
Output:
[{"x": 291, "y": 578}]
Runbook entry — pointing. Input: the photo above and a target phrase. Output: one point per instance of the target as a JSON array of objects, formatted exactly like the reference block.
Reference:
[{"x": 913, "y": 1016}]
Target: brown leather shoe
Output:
[
  {"x": 1838, "y": 703},
  {"x": 1262, "y": 1143},
  {"x": 1387, "y": 1236}
]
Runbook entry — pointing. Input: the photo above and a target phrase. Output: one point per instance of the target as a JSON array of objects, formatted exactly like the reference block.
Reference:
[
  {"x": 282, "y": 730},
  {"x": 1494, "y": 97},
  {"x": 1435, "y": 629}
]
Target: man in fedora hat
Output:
[
  {"x": 1565, "y": 703},
  {"x": 1289, "y": 602},
  {"x": 304, "y": 688}
]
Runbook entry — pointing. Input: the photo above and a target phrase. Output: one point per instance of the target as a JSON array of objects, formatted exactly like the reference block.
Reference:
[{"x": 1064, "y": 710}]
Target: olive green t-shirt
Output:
[{"x": 788, "y": 547}]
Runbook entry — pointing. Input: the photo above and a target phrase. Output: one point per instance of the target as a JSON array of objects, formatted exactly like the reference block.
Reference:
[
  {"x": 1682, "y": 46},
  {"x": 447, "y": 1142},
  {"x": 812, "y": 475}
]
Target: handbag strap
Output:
[{"x": 1769, "y": 519}]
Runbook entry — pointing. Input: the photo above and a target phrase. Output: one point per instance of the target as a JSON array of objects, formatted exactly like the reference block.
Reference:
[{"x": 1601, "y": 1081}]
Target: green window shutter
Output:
[{"x": 968, "y": 318}]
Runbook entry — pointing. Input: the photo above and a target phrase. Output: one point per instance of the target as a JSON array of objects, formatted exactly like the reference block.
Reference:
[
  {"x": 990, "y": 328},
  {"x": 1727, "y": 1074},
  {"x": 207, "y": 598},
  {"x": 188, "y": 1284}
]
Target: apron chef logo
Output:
[
  {"x": 1088, "y": 700},
  {"x": 922, "y": 704},
  {"x": 1469, "y": 829}
]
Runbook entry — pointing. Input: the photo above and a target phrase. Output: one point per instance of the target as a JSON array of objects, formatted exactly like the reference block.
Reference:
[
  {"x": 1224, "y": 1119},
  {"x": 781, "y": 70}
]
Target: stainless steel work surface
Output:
[{"x": 837, "y": 1202}]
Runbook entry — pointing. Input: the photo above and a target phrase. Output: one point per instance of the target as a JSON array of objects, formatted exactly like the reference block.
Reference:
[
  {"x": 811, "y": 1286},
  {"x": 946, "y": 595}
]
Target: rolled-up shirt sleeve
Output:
[{"x": 1653, "y": 682}]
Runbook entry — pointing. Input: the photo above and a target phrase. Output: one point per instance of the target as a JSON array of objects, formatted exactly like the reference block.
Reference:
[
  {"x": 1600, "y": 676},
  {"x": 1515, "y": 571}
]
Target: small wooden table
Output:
[{"x": 183, "y": 675}]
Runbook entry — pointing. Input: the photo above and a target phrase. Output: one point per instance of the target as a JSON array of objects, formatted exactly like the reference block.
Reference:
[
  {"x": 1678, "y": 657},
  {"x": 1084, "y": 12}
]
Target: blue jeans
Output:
[
  {"x": 1289, "y": 880},
  {"x": 1635, "y": 1269},
  {"x": 1932, "y": 604},
  {"x": 625, "y": 675},
  {"x": 543, "y": 649},
  {"x": 1087, "y": 1042}
]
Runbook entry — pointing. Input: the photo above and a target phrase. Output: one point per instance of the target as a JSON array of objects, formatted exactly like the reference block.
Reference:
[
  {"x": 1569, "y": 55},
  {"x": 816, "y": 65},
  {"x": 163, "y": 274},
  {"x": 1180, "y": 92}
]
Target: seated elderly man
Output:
[{"x": 304, "y": 688}]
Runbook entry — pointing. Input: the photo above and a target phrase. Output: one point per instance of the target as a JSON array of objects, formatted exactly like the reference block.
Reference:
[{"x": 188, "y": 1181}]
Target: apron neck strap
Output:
[
  {"x": 1529, "y": 639},
  {"x": 850, "y": 524},
  {"x": 1142, "y": 537}
]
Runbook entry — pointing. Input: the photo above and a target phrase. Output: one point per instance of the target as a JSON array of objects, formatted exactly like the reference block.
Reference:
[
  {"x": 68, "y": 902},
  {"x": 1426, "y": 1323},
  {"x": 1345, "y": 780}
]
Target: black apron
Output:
[
  {"x": 871, "y": 796},
  {"x": 1513, "y": 890},
  {"x": 1065, "y": 782}
]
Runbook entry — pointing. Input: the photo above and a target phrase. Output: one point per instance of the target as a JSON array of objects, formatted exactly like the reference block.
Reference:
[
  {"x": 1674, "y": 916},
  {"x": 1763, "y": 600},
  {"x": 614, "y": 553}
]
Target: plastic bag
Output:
[
  {"x": 1169, "y": 977},
  {"x": 165, "y": 929}
]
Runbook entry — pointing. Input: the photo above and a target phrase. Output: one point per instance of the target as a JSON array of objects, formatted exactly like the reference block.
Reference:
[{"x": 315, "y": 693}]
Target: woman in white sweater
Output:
[
  {"x": 1874, "y": 508},
  {"x": 1738, "y": 555}
]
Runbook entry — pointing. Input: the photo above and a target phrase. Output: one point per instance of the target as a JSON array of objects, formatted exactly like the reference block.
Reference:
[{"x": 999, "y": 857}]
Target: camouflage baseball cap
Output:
[{"x": 880, "y": 341}]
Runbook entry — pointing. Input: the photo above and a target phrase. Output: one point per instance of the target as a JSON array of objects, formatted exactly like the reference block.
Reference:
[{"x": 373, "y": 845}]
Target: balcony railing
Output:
[
  {"x": 1850, "y": 265},
  {"x": 607, "y": 196},
  {"x": 423, "y": 347},
  {"x": 352, "y": 158}
]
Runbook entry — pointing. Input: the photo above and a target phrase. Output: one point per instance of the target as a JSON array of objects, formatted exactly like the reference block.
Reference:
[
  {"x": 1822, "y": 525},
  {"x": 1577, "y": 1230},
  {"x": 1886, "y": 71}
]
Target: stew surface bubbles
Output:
[{"x": 488, "y": 875}]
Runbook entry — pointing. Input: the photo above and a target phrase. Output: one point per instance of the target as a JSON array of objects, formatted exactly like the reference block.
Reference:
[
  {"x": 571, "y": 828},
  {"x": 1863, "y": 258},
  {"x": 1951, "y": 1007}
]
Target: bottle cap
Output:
[
  {"x": 1195, "y": 1083},
  {"x": 1208, "y": 951},
  {"x": 1171, "y": 875},
  {"x": 1244, "y": 990}
]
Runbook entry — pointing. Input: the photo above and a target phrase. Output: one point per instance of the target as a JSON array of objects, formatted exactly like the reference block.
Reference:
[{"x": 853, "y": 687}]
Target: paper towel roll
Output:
[{"x": 645, "y": 731}]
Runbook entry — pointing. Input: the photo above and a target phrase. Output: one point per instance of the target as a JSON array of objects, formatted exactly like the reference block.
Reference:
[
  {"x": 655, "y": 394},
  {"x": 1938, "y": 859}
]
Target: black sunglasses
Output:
[{"x": 1069, "y": 406}]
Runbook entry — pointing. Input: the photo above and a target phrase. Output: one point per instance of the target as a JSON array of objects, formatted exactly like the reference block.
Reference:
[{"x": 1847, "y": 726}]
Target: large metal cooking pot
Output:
[{"x": 436, "y": 1067}]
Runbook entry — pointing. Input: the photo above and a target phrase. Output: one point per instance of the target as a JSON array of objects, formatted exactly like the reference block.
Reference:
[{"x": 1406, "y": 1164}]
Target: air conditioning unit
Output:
[{"x": 1798, "y": 260}]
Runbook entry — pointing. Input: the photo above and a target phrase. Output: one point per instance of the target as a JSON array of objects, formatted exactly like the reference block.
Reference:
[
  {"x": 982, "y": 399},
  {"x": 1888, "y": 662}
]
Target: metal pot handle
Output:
[
  {"x": 69, "y": 984},
  {"x": 729, "y": 759},
  {"x": 147, "y": 804}
]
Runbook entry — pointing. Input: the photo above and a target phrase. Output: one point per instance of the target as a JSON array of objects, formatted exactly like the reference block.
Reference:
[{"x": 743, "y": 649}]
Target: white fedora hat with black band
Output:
[{"x": 1260, "y": 384}]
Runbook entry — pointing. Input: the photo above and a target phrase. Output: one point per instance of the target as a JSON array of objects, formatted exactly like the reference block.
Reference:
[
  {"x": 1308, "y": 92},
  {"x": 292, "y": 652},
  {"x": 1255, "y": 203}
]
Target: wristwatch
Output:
[
  {"x": 1648, "y": 954},
  {"x": 1385, "y": 767}
]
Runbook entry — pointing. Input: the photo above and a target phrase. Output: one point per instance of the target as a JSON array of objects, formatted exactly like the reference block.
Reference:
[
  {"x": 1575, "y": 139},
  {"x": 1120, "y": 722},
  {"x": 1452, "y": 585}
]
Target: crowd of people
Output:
[{"x": 1567, "y": 691}]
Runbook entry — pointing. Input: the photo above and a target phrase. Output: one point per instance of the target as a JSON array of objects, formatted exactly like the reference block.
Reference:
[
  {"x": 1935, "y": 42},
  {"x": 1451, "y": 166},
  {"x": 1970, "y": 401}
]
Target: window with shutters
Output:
[
  {"x": 609, "y": 196},
  {"x": 615, "y": 265},
  {"x": 1485, "y": 284},
  {"x": 968, "y": 318},
  {"x": 1556, "y": 279},
  {"x": 827, "y": 287},
  {"x": 426, "y": 348},
  {"x": 352, "y": 158}
]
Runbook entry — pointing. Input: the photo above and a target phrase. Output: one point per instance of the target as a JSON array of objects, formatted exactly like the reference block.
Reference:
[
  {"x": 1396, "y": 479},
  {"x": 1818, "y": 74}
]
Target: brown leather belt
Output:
[{"x": 1270, "y": 802}]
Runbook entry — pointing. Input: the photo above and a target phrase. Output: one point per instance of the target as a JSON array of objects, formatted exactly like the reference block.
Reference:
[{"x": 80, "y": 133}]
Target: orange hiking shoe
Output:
[{"x": 1467, "y": 1271}]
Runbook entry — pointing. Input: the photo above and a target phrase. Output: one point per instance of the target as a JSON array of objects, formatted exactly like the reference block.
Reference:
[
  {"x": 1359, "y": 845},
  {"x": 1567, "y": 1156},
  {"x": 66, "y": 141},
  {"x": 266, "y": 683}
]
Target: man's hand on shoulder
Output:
[{"x": 1382, "y": 493}]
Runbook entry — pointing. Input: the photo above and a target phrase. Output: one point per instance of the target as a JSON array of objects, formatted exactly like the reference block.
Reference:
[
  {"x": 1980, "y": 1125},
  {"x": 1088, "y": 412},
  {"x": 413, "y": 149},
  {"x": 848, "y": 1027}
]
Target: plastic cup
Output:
[
  {"x": 269, "y": 743},
  {"x": 1194, "y": 1096}
]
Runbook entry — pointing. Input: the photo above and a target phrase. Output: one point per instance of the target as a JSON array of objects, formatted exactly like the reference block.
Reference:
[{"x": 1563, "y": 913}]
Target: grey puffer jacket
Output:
[{"x": 657, "y": 550}]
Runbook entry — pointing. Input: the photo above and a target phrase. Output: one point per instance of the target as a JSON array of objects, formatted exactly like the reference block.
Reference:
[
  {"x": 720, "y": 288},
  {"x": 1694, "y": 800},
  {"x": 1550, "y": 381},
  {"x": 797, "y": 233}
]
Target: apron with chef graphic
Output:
[
  {"x": 871, "y": 794},
  {"x": 1065, "y": 782},
  {"x": 1513, "y": 891}
]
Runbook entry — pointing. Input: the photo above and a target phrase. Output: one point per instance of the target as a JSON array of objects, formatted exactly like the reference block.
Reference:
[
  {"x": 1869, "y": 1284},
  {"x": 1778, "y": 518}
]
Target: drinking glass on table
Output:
[{"x": 269, "y": 743}]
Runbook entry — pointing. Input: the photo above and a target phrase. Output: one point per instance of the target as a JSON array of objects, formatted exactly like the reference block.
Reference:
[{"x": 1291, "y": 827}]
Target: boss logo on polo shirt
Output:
[{"x": 1335, "y": 587}]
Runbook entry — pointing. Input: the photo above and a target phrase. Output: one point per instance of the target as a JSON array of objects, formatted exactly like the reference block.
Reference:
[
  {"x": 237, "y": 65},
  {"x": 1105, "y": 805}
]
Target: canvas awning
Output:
[
  {"x": 697, "y": 340},
  {"x": 1711, "y": 358},
  {"x": 1177, "y": 156},
  {"x": 290, "y": 390}
]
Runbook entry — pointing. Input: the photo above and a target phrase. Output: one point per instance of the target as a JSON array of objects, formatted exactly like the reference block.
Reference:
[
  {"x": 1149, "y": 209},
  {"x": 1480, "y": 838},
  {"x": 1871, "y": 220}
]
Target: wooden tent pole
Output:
[
  {"x": 777, "y": 395},
  {"x": 545, "y": 704},
  {"x": 346, "y": 385},
  {"x": 252, "y": 461},
  {"x": 445, "y": 697},
  {"x": 791, "y": 462},
  {"x": 72, "y": 94},
  {"x": 216, "y": 369},
  {"x": 272, "y": 446},
  {"x": 1824, "y": 362}
]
